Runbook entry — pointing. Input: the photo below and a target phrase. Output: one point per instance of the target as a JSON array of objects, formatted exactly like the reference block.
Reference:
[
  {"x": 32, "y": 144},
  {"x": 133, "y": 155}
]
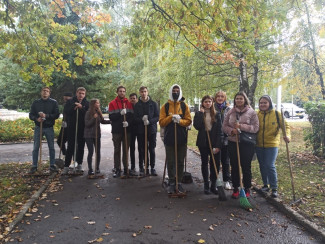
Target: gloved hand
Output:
[
  {"x": 215, "y": 150},
  {"x": 123, "y": 111},
  {"x": 145, "y": 117},
  {"x": 125, "y": 124},
  {"x": 176, "y": 118},
  {"x": 189, "y": 127},
  {"x": 146, "y": 122},
  {"x": 64, "y": 124}
]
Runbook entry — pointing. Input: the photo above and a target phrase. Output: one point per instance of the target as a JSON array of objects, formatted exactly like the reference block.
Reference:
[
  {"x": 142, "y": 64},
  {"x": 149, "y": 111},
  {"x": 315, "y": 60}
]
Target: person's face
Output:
[
  {"x": 66, "y": 98},
  {"x": 144, "y": 94},
  {"x": 175, "y": 90},
  {"x": 80, "y": 95},
  {"x": 240, "y": 101},
  {"x": 97, "y": 104},
  {"x": 207, "y": 103},
  {"x": 45, "y": 93},
  {"x": 133, "y": 99},
  {"x": 264, "y": 104},
  {"x": 220, "y": 98},
  {"x": 121, "y": 93}
]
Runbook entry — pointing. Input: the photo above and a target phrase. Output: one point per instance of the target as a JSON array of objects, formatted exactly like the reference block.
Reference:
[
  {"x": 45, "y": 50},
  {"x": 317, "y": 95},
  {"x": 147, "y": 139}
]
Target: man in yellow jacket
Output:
[
  {"x": 175, "y": 116},
  {"x": 268, "y": 139}
]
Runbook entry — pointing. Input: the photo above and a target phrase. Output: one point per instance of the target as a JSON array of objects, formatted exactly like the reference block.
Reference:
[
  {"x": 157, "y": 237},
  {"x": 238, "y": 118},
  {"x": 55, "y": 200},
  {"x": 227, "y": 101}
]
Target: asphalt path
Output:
[{"x": 133, "y": 210}]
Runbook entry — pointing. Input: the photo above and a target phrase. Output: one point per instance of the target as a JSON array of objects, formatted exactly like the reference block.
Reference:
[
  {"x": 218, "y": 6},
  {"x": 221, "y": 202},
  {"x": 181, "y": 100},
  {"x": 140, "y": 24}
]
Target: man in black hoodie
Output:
[
  {"x": 146, "y": 114},
  {"x": 73, "y": 109},
  {"x": 44, "y": 110}
]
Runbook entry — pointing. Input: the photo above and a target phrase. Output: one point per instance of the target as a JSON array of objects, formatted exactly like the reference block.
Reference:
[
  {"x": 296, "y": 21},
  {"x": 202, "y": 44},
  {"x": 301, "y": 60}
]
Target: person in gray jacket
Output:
[
  {"x": 44, "y": 110},
  {"x": 93, "y": 119}
]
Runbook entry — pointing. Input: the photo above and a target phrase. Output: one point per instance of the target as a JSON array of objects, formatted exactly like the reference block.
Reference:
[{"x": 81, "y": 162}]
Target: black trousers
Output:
[
  {"x": 151, "y": 142},
  {"x": 206, "y": 159},
  {"x": 64, "y": 140},
  {"x": 246, "y": 155},
  {"x": 223, "y": 157},
  {"x": 91, "y": 145},
  {"x": 71, "y": 143},
  {"x": 132, "y": 150}
]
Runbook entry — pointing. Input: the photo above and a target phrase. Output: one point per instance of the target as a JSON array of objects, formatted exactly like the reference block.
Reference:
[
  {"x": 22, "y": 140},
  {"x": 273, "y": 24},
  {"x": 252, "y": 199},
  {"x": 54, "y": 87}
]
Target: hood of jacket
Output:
[{"x": 171, "y": 91}]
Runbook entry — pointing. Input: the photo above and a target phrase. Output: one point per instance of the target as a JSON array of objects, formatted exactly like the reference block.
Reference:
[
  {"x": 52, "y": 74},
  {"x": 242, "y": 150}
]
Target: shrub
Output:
[{"x": 316, "y": 137}]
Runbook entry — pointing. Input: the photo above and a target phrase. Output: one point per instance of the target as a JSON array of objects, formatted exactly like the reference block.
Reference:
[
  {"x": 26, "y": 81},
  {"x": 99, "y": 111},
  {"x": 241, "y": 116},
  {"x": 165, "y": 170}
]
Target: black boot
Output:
[
  {"x": 213, "y": 188},
  {"x": 206, "y": 188}
]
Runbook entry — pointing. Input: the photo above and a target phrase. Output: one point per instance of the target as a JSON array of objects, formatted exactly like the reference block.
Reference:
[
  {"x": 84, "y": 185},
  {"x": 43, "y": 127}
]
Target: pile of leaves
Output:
[
  {"x": 21, "y": 130},
  {"x": 16, "y": 187}
]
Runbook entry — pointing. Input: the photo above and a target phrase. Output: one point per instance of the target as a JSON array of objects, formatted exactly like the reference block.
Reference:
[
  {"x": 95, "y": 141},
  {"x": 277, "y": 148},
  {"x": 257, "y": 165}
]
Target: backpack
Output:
[{"x": 183, "y": 107}]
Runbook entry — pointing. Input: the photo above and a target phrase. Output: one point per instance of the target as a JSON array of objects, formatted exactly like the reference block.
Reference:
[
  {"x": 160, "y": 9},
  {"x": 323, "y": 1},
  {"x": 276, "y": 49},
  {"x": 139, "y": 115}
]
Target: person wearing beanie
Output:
[{"x": 268, "y": 139}]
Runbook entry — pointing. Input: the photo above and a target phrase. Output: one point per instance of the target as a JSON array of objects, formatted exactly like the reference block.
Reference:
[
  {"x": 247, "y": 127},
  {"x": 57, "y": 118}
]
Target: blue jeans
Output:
[
  {"x": 266, "y": 158},
  {"x": 49, "y": 134}
]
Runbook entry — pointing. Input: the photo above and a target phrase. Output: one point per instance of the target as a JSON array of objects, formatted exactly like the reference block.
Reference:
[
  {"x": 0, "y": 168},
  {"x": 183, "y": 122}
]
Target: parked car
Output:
[{"x": 292, "y": 110}]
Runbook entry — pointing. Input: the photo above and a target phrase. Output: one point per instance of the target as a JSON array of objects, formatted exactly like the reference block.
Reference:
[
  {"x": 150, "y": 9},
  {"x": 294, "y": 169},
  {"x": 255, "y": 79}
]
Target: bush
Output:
[
  {"x": 316, "y": 137},
  {"x": 21, "y": 130}
]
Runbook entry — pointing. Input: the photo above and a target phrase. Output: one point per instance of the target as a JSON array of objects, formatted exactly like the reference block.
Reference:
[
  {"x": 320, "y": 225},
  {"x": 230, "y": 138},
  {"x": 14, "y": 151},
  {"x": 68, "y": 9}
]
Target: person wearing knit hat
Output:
[{"x": 268, "y": 139}]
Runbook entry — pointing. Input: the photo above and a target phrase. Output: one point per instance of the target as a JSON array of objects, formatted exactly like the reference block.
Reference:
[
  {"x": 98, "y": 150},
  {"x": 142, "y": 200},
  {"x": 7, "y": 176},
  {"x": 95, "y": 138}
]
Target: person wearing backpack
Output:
[
  {"x": 175, "y": 113},
  {"x": 268, "y": 139}
]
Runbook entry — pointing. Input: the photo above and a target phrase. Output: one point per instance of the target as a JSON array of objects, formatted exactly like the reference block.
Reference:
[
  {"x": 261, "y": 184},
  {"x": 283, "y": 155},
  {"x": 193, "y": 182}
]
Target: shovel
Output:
[{"x": 58, "y": 161}]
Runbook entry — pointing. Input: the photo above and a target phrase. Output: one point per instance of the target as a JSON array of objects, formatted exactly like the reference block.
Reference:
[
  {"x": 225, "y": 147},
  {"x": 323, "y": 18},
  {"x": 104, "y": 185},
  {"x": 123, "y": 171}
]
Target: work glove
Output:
[
  {"x": 215, "y": 150},
  {"x": 189, "y": 127},
  {"x": 145, "y": 117},
  {"x": 64, "y": 124},
  {"x": 176, "y": 118},
  {"x": 146, "y": 122},
  {"x": 125, "y": 124},
  {"x": 123, "y": 111}
]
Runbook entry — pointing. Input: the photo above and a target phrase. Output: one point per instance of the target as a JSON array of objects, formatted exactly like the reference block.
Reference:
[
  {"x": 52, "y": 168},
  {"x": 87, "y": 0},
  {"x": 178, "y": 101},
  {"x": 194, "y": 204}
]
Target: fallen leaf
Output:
[
  {"x": 211, "y": 227},
  {"x": 117, "y": 199},
  {"x": 47, "y": 216},
  {"x": 91, "y": 222},
  {"x": 201, "y": 241},
  {"x": 76, "y": 217},
  {"x": 103, "y": 196},
  {"x": 100, "y": 239},
  {"x": 105, "y": 234},
  {"x": 28, "y": 214},
  {"x": 107, "y": 226},
  {"x": 204, "y": 220},
  {"x": 198, "y": 234},
  {"x": 147, "y": 226},
  {"x": 134, "y": 234},
  {"x": 52, "y": 236}
]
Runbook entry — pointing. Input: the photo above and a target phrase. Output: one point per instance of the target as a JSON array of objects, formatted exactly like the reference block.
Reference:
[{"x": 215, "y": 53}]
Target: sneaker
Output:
[
  {"x": 53, "y": 168},
  {"x": 113, "y": 170},
  {"x": 91, "y": 172},
  {"x": 265, "y": 188},
  {"x": 247, "y": 192},
  {"x": 97, "y": 171},
  {"x": 65, "y": 170},
  {"x": 180, "y": 188},
  {"x": 153, "y": 172},
  {"x": 227, "y": 185},
  {"x": 274, "y": 193},
  {"x": 141, "y": 172},
  {"x": 214, "y": 190},
  {"x": 79, "y": 168},
  {"x": 117, "y": 173},
  {"x": 132, "y": 172},
  {"x": 171, "y": 188},
  {"x": 235, "y": 194},
  {"x": 32, "y": 170}
]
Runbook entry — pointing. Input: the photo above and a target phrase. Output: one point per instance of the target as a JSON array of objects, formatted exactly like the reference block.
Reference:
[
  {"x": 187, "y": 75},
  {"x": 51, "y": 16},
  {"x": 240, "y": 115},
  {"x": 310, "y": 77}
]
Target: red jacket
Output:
[{"x": 114, "y": 109}]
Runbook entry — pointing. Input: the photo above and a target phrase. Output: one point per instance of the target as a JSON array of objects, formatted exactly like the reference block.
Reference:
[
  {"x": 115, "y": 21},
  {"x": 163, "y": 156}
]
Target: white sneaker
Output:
[
  {"x": 75, "y": 165},
  {"x": 65, "y": 170},
  {"x": 227, "y": 185},
  {"x": 79, "y": 168}
]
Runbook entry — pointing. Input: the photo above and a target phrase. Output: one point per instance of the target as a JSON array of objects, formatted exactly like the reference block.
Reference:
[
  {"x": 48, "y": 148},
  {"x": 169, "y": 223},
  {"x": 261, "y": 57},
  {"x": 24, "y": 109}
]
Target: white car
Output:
[{"x": 292, "y": 110}]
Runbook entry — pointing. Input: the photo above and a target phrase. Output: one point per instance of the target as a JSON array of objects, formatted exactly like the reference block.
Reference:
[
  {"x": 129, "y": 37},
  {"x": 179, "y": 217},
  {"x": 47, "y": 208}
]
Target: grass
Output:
[{"x": 308, "y": 170}]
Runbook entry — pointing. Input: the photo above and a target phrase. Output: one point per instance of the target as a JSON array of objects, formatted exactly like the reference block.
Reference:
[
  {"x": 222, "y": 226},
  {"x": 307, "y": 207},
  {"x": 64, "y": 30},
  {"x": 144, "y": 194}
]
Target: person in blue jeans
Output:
[
  {"x": 268, "y": 139},
  {"x": 44, "y": 110}
]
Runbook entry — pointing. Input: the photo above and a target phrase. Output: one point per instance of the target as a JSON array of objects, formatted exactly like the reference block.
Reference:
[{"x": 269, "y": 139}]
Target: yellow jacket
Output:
[{"x": 269, "y": 132}]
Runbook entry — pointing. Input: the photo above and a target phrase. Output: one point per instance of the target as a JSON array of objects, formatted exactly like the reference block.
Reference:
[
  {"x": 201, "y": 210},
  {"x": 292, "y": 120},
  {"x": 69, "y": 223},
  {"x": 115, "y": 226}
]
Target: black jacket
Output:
[
  {"x": 49, "y": 107},
  {"x": 149, "y": 108},
  {"x": 71, "y": 113},
  {"x": 215, "y": 133}
]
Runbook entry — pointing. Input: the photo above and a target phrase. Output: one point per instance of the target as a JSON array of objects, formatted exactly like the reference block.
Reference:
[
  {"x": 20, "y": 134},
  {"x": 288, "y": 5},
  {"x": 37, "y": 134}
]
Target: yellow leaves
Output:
[
  {"x": 201, "y": 241},
  {"x": 78, "y": 61}
]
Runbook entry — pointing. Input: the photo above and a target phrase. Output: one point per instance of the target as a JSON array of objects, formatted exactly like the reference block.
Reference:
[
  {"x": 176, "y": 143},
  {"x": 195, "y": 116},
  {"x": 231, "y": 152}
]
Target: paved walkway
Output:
[{"x": 139, "y": 211}]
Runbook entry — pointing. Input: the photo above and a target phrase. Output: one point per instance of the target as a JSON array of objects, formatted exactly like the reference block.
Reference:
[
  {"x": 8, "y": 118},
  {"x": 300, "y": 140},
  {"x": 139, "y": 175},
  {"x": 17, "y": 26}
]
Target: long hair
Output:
[
  {"x": 223, "y": 93},
  {"x": 212, "y": 109},
  {"x": 242, "y": 93},
  {"x": 93, "y": 110}
]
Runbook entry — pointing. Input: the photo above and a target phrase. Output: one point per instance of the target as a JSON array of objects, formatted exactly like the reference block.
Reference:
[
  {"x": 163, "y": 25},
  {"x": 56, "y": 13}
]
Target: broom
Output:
[
  {"x": 244, "y": 203},
  {"x": 221, "y": 191}
]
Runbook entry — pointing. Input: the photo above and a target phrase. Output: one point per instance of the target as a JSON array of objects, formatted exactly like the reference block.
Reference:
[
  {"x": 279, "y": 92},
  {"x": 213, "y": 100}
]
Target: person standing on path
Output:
[
  {"x": 133, "y": 98},
  {"x": 93, "y": 119},
  {"x": 268, "y": 139},
  {"x": 121, "y": 115},
  {"x": 62, "y": 140},
  {"x": 175, "y": 113},
  {"x": 222, "y": 108},
  {"x": 205, "y": 120},
  {"x": 146, "y": 114},
  {"x": 241, "y": 118},
  {"x": 76, "y": 108},
  {"x": 44, "y": 110}
]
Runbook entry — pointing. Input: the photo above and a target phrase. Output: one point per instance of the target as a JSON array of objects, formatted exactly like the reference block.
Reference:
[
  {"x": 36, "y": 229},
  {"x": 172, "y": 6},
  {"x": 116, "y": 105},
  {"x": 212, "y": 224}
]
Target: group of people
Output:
[{"x": 220, "y": 130}]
